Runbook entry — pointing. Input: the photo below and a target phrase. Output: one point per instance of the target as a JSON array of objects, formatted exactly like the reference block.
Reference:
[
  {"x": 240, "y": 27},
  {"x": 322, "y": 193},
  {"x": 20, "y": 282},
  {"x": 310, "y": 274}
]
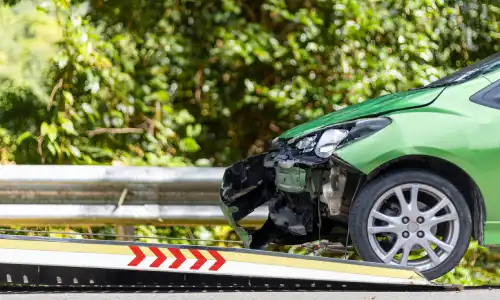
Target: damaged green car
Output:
[{"x": 407, "y": 178}]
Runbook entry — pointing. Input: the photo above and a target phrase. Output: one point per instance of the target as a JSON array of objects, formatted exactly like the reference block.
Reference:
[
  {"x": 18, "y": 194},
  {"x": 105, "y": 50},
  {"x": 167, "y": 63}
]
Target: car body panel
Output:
[
  {"x": 453, "y": 129},
  {"x": 492, "y": 226},
  {"x": 371, "y": 107}
]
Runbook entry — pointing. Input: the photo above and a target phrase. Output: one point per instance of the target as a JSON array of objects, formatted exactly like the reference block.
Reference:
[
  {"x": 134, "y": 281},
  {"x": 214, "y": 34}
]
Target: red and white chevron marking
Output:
[{"x": 178, "y": 260}]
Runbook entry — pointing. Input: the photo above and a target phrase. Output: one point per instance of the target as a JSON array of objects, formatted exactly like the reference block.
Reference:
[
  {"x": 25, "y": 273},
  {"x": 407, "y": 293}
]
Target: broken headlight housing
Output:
[
  {"x": 306, "y": 144},
  {"x": 328, "y": 139}
]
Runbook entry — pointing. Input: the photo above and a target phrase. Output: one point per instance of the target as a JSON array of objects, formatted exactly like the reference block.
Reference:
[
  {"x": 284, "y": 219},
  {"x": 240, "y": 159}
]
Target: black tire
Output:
[{"x": 362, "y": 205}]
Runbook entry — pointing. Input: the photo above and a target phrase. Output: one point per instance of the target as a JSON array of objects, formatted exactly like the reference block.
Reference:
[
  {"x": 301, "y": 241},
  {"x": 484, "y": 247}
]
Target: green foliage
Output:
[
  {"x": 275, "y": 63},
  {"x": 176, "y": 83},
  {"x": 25, "y": 53},
  {"x": 480, "y": 266},
  {"x": 173, "y": 83},
  {"x": 98, "y": 102}
]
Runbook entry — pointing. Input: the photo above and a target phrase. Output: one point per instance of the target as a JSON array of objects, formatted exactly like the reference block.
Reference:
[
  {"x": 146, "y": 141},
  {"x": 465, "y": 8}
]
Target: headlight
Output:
[
  {"x": 325, "y": 141},
  {"x": 329, "y": 141}
]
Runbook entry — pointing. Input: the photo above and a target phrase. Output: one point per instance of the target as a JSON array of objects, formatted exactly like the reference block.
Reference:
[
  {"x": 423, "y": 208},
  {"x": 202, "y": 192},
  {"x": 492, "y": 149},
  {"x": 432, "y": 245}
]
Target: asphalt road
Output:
[{"x": 464, "y": 295}]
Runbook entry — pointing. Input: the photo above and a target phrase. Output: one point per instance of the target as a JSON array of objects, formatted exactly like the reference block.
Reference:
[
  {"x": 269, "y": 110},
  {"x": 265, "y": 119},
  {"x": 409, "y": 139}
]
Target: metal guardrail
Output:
[{"x": 91, "y": 195}]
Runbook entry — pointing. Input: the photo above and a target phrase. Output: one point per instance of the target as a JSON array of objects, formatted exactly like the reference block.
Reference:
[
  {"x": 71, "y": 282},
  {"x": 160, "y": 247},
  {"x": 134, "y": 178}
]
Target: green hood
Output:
[{"x": 371, "y": 107}]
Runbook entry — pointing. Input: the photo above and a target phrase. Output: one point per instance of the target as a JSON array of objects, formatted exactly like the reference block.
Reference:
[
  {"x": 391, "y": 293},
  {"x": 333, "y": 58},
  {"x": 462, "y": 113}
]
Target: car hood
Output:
[{"x": 369, "y": 108}]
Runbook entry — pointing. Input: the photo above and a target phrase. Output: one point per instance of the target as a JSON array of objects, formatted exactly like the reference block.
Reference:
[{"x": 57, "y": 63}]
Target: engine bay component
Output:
[{"x": 333, "y": 190}]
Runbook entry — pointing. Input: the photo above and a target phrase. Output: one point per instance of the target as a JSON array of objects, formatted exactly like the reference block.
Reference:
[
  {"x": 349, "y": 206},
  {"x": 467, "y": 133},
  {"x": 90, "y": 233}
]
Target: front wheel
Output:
[{"x": 411, "y": 218}]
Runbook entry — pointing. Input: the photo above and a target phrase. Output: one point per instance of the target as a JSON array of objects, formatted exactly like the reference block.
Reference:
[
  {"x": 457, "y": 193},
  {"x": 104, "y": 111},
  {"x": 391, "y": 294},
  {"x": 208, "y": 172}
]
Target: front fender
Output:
[{"x": 418, "y": 133}]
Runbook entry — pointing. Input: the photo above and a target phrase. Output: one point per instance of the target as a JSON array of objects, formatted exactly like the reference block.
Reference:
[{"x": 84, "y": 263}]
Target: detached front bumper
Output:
[{"x": 246, "y": 185}]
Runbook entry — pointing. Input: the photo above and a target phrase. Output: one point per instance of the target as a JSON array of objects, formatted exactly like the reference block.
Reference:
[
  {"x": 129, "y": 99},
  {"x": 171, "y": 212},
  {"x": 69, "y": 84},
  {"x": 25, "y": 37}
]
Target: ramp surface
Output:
[{"x": 72, "y": 262}]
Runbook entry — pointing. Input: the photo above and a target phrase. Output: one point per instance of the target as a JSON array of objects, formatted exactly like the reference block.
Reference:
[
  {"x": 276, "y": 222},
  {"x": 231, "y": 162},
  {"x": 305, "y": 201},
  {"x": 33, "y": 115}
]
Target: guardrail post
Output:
[{"x": 128, "y": 230}]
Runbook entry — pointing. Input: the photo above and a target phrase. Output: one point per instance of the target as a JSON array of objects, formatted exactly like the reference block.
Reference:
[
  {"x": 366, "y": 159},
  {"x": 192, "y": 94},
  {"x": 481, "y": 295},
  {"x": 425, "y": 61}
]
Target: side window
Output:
[{"x": 489, "y": 96}]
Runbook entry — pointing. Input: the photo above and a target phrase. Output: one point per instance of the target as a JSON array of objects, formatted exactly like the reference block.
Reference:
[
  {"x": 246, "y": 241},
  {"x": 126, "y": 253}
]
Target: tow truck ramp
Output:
[{"x": 73, "y": 263}]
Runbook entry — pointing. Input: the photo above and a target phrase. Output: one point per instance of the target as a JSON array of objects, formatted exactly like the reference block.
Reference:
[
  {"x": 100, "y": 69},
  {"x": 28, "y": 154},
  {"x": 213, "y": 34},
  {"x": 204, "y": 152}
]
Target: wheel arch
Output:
[{"x": 456, "y": 175}]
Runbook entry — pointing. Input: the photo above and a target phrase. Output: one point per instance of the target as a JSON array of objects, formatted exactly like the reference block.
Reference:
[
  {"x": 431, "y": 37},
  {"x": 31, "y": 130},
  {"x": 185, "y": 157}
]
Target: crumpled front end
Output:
[{"x": 299, "y": 190}]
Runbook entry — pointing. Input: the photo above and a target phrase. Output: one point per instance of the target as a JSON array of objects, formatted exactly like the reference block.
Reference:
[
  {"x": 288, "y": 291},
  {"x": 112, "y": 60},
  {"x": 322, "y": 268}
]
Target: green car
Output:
[{"x": 407, "y": 178}]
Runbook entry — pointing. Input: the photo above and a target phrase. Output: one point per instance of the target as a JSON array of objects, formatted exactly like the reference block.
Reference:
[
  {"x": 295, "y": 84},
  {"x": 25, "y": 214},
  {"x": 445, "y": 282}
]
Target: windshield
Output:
[{"x": 483, "y": 66}]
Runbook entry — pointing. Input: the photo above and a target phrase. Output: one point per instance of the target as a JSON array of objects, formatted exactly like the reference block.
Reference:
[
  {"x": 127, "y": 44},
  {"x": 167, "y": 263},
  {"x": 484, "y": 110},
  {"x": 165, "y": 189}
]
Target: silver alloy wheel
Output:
[{"x": 407, "y": 218}]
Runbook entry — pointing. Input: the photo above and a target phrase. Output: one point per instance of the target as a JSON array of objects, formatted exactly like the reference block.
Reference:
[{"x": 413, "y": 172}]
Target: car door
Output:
[{"x": 489, "y": 98}]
